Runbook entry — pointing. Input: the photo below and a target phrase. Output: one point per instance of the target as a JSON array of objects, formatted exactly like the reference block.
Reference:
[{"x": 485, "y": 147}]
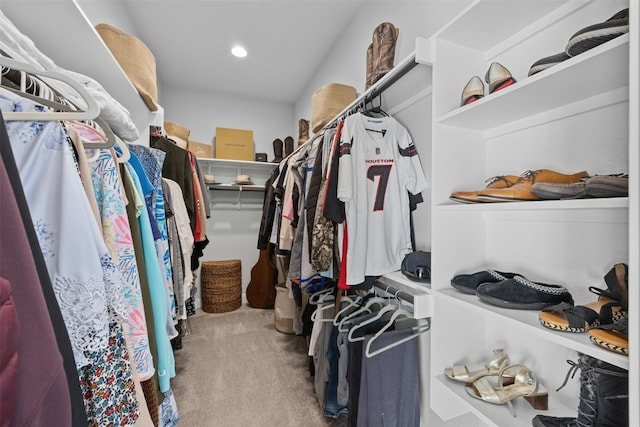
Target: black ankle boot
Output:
[{"x": 604, "y": 396}]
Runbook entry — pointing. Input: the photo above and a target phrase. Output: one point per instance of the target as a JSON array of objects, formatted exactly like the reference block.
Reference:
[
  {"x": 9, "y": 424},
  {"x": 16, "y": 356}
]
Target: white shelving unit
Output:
[
  {"x": 571, "y": 117},
  {"x": 237, "y": 196}
]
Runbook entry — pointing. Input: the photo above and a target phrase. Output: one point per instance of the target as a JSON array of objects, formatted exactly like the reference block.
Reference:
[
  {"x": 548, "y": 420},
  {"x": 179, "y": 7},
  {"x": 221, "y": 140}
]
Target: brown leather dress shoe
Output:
[
  {"x": 493, "y": 182},
  {"x": 522, "y": 189}
]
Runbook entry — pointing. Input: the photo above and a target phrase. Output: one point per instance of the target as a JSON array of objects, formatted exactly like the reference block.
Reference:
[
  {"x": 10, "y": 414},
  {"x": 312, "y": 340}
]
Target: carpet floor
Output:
[{"x": 236, "y": 370}]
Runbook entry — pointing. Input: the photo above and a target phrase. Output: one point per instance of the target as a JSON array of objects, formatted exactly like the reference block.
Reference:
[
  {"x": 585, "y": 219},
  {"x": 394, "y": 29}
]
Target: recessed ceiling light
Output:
[{"x": 239, "y": 51}]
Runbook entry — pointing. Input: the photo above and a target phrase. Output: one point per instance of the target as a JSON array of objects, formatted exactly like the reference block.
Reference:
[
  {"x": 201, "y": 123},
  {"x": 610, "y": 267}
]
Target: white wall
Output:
[
  {"x": 203, "y": 112},
  {"x": 347, "y": 62}
]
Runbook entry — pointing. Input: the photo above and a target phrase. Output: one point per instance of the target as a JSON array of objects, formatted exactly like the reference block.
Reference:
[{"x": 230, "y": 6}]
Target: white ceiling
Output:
[{"x": 191, "y": 40}]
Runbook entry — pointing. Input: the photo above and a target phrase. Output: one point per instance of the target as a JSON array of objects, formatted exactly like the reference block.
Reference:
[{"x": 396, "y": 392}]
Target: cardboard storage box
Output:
[
  {"x": 201, "y": 150},
  {"x": 235, "y": 144}
]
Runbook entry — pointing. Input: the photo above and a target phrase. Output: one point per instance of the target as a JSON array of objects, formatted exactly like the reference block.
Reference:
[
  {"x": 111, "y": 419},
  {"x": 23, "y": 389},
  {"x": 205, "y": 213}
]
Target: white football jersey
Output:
[{"x": 378, "y": 165}]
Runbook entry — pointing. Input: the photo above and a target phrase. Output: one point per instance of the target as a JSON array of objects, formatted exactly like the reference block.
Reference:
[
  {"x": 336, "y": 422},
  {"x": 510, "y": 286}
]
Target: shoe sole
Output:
[
  {"x": 604, "y": 190},
  {"x": 560, "y": 328},
  {"x": 515, "y": 305},
  {"x": 504, "y": 199},
  {"x": 609, "y": 346},
  {"x": 464, "y": 289},
  {"x": 564, "y": 327},
  {"x": 595, "y": 35},
  {"x": 544, "y": 63}
]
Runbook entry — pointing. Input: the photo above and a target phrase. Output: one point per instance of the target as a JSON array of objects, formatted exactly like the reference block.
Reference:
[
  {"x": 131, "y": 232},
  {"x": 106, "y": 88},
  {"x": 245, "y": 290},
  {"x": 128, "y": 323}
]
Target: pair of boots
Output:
[
  {"x": 278, "y": 146},
  {"x": 381, "y": 52},
  {"x": 303, "y": 136},
  {"x": 604, "y": 396}
]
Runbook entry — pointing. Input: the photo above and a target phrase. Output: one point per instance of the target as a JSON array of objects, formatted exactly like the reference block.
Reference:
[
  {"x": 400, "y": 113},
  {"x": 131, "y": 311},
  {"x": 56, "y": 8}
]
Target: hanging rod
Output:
[
  {"x": 398, "y": 293},
  {"x": 402, "y": 68},
  {"x": 416, "y": 293}
]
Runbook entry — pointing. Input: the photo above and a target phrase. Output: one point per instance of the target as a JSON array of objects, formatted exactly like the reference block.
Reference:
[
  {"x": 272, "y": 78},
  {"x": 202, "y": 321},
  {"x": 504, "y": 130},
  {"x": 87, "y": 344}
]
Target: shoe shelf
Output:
[
  {"x": 499, "y": 415},
  {"x": 225, "y": 172},
  {"x": 570, "y": 117},
  {"x": 479, "y": 14},
  {"x": 538, "y": 205},
  {"x": 528, "y": 324},
  {"x": 575, "y": 80},
  {"x": 225, "y": 195}
]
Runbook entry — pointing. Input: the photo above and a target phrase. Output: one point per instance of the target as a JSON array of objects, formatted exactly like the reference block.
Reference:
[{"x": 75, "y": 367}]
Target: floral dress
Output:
[
  {"x": 86, "y": 283},
  {"x": 117, "y": 235}
]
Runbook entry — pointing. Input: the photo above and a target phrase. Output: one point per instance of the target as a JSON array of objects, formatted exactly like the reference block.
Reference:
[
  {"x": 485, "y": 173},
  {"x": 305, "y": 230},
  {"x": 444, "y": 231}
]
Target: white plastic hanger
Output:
[
  {"x": 319, "y": 296},
  {"x": 364, "y": 309},
  {"x": 316, "y": 313},
  {"x": 111, "y": 139},
  {"x": 92, "y": 111},
  {"x": 126, "y": 154},
  {"x": 418, "y": 330},
  {"x": 378, "y": 316},
  {"x": 338, "y": 317}
]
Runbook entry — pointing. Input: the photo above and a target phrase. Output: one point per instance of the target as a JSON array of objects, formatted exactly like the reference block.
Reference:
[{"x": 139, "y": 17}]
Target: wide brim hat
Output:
[
  {"x": 243, "y": 180},
  {"x": 178, "y": 133}
]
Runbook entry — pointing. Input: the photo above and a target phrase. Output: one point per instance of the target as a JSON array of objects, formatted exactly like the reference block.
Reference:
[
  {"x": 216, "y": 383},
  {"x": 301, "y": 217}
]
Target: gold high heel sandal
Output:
[
  {"x": 463, "y": 374},
  {"x": 523, "y": 384}
]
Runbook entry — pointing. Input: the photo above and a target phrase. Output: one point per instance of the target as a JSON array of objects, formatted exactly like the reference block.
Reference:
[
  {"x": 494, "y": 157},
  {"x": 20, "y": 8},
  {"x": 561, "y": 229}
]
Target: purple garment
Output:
[
  {"x": 9, "y": 336},
  {"x": 42, "y": 395}
]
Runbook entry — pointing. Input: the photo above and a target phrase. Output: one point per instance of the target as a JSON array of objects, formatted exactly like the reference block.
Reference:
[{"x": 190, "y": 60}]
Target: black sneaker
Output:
[
  {"x": 596, "y": 34},
  {"x": 547, "y": 62}
]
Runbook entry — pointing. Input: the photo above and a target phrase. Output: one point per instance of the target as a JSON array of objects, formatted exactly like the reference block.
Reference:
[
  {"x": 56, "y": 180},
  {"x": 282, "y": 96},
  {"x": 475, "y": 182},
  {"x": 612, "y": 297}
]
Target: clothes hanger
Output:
[
  {"x": 362, "y": 310},
  {"x": 316, "y": 313},
  {"x": 316, "y": 297},
  {"x": 375, "y": 109},
  {"x": 92, "y": 111},
  {"x": 387, "y": 308},
  {"x": 418, "y": 331},
  {"x": 124, "y": 154},
  {"x": 338, "y": 317},
  {"x": 106, "y": 129}
]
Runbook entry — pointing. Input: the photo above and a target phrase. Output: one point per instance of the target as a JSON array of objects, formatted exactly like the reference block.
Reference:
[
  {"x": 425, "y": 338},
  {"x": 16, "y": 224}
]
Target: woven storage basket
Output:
[
  {"x": 136, "y": 60},
  {"x": 221, "y": 286},
  {"x": 328, "y": 101}
]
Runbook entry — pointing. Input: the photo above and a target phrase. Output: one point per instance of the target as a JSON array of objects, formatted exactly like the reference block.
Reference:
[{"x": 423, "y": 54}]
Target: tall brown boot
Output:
[
  {"x": 370, "y": 62},
  {"x": 288, "y": 146},
  {"x": 385, "y": 37},
  {"x": 277, "y": 150},
  {"x": 303, "y": 131}
]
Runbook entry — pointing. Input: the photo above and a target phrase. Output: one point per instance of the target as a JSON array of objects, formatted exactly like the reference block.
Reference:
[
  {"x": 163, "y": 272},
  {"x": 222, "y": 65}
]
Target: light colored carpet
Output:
[{"x": 237, "y": 370}]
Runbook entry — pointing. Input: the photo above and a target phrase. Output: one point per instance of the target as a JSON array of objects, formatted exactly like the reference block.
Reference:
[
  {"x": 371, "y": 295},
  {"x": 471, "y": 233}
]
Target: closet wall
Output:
[
  {"x": 203, "y": 112},
  {"x": 346, "y": 61}
]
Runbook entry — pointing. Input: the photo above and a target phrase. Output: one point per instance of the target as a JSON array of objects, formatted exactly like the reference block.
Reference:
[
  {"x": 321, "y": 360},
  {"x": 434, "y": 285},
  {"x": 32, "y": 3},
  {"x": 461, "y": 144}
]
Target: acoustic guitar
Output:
[{"x": 261, "y": 291}]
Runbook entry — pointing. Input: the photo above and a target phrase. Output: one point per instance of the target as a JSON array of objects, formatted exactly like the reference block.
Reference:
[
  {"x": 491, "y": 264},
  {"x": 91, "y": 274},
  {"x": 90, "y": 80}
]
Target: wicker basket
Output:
[{"x": 221, "y": 286}]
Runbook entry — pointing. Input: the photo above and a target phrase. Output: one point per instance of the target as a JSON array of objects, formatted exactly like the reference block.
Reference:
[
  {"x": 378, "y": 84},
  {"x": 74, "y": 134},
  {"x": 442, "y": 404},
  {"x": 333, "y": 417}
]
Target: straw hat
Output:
[
  {"x": 243, "y": 179},
  {"x": 178, "y": 133}
]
